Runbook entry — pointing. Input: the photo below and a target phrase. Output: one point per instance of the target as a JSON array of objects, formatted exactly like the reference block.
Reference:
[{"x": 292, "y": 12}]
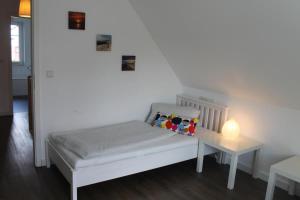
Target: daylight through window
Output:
[{"x": 15, "y": 43}]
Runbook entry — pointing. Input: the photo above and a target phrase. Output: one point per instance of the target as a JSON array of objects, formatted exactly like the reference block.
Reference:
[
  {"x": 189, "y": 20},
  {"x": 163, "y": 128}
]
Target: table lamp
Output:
[{"x": 231, "y": 129}]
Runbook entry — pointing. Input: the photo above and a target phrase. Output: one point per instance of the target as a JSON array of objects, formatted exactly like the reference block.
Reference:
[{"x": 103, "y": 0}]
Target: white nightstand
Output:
[
  {"x": 289, "y": 168},
  {"x": 236, "y": 147}
]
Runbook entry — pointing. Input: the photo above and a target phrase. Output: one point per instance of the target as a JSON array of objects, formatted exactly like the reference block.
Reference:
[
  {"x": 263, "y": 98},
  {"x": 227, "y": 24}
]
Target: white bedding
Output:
[
  {"x": 176, "y": 141},
  {"x": 110, "y": 139}
]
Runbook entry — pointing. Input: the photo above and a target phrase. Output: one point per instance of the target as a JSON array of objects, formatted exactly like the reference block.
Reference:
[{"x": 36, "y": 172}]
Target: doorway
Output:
[{"x": 20, "y": 35}]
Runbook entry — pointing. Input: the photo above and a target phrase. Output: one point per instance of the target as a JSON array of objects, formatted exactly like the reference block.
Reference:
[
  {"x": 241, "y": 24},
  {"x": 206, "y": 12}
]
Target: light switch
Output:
[{"x": 49, "y": 73}]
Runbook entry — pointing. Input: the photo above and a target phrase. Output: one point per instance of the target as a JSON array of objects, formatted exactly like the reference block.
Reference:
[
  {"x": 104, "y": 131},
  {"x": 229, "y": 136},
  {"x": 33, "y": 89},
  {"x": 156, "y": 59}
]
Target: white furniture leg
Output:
[
  {"x": 292, "y": 187},
  {"x": 73, "y": 189},
  {"x": 255, "y": 163},
  {"x": 201, "y": 148},
  {"x": 223, "y": 161},
  {"x": 232, "y": 171},
  {"x": 220, "y": 157},
  {"x": 48, "y": 162},
  {"x": 271, "y": 186}
]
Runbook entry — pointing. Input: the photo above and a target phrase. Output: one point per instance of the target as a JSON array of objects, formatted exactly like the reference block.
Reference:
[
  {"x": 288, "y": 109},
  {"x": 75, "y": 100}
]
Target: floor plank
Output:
[{"x": 20, "y": 180}]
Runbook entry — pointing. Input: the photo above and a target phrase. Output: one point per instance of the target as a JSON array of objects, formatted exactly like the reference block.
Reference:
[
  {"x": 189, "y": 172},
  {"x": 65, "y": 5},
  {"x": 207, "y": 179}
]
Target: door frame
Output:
[{"x": 37, "y": 143}]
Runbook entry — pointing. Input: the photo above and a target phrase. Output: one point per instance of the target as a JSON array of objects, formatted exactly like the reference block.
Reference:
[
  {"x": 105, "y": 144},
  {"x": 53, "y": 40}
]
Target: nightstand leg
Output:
[
  {"x": 271, "y": 186},
  {"x": 255, "y": 163},
  {"x": 201, "y": 148},
  {"x": 223, "y": 158},
  {"x": 48, "y": 162},
  {"x": 292, "y": 187},
  {"x": 232, "y": 172},
  {"x": 219, "y": 157}
]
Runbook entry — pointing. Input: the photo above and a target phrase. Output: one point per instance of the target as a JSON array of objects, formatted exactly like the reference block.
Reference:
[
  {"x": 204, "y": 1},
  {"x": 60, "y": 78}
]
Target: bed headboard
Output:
[{"x": 212, "y": 115}]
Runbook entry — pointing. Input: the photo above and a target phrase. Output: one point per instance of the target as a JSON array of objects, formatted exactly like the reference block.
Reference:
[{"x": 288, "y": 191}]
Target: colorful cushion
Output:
[
  {"x": 181, "y": 125},
  {"x": 188, "y": 112}
]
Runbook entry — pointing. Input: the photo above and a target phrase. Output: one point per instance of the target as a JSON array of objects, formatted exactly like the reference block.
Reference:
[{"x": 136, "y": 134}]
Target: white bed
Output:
[{"x": 138, "y": 158}]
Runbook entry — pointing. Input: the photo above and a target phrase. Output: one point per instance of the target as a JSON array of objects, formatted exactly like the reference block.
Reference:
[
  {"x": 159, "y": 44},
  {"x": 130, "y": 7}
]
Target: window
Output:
[{"x": 16, "y": 33}]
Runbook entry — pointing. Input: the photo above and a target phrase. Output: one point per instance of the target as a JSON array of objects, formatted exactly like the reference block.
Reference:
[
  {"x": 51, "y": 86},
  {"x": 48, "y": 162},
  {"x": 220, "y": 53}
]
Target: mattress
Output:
[
  {"x": 176, "y": 141},
  {"x": 104, "y": 140}
]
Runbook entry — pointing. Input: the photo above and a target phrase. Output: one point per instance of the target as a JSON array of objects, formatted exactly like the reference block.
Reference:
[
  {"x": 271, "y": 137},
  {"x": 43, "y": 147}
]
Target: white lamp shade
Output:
[
  {"x": 25, "y": 8},
  {"x": 231, "y": 129}
]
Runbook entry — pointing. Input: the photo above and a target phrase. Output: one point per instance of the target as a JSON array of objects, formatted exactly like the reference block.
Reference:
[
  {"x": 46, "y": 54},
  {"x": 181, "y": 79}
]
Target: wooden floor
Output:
[{"x": 20, "y": 180}]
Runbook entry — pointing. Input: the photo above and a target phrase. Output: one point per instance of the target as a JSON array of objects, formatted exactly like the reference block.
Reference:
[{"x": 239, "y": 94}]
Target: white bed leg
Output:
[
  {"x": 73, "y": 189},
  {"x": 73, "y": 192},
  {"x": 201, "y": 148},
  {"x": 48, "y": 162}
]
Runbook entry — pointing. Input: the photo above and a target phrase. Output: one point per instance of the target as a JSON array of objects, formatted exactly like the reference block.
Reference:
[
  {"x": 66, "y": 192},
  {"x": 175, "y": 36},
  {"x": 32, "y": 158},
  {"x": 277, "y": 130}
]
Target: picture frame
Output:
[
  {"x": 76, "y": 20},
  {"x": 128, "y": 62},
  {"x": 103, "y": 42}
]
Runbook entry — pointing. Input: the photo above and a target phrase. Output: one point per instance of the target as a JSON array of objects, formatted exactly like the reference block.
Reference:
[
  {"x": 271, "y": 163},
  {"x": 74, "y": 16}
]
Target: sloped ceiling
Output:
[{"x": 248, "y": 49}]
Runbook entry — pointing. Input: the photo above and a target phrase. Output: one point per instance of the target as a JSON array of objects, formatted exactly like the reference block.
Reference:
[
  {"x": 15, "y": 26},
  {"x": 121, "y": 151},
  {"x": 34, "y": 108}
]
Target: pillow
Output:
[
  {"x": 172, "y": 108},
  {"x": 181, "y": 125}
]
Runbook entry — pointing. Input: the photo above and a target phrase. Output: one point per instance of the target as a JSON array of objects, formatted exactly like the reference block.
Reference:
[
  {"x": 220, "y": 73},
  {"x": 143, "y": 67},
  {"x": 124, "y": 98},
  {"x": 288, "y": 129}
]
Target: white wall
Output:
[
  {"x": 7, "y": 9},
  {"x": 245, "y": 53},
  {"x": 19, "y": 87},
  {"x": 243, "y": 48},
  {"x": 276, "y": 127},
  {"x": 21, "y": 72},
  {"x": 89, "y": 89}
]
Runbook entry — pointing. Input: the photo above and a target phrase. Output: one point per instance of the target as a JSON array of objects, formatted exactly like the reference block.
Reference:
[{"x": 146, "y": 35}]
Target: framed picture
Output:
[
  {"x": 128, "y": 63},
  {"x": 76, "y": 20},
  {"x": 103, "y": 42}
]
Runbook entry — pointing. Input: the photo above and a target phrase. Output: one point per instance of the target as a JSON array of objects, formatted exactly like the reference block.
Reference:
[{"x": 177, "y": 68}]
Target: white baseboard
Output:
[
  {"x": 281, "y": 182},
  {"x": 263, "y": 175}
]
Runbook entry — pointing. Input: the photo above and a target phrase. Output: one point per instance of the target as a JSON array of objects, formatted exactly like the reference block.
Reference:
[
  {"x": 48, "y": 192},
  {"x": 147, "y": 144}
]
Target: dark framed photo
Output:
[
  {"x": 76, "y": 20},
  {"x": 128, "y": 63},
  {"x": 103, "y": 42}
]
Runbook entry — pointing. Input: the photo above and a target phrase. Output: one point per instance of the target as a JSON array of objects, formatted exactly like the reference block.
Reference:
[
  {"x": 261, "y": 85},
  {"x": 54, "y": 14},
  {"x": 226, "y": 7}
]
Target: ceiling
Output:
[{"x": 241, "y": 48}]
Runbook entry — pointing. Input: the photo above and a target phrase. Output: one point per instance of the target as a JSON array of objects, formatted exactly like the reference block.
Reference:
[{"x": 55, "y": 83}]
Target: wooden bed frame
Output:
[{"x": 212, "y": 117}]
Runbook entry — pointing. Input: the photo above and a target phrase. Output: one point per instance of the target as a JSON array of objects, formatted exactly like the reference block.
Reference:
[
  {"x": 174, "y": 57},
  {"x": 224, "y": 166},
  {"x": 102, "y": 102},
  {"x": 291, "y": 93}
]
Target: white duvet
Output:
[{"x": 94, "y": 142}]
